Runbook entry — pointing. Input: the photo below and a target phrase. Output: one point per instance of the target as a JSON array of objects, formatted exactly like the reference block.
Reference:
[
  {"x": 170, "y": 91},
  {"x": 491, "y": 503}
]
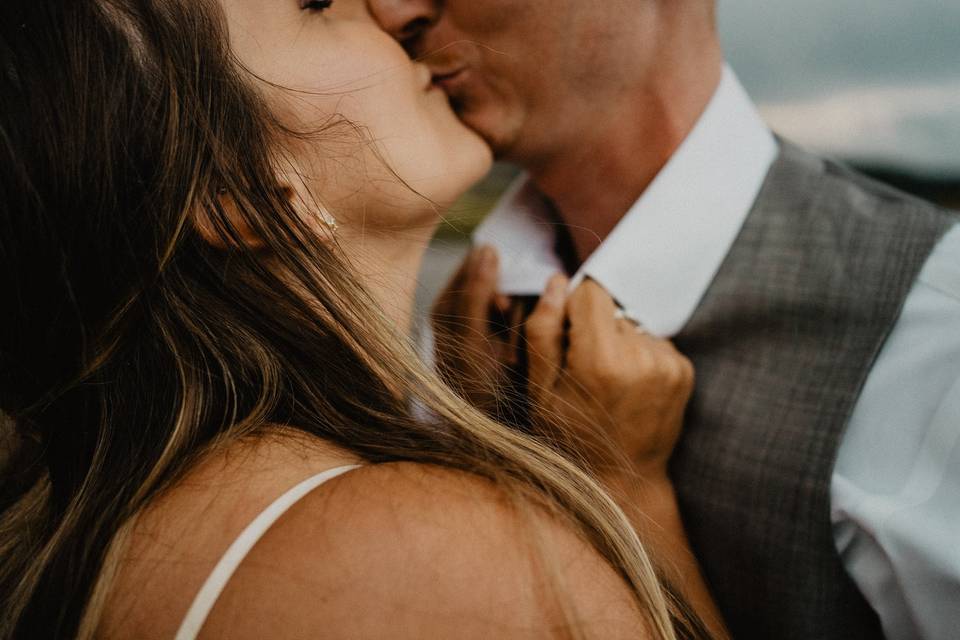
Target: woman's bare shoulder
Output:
[
  {"x": 407, "y": 550},
  {"x": 174, "y": 544}
]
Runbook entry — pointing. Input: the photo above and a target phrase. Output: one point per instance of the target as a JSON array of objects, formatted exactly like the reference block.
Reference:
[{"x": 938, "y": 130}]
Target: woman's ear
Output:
[{"x": 224, "y": 208}]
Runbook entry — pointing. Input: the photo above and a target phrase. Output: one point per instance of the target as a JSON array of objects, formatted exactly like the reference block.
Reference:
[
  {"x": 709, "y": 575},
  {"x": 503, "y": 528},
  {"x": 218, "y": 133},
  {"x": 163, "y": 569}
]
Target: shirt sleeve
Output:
[{"x": 896, "y": 488}]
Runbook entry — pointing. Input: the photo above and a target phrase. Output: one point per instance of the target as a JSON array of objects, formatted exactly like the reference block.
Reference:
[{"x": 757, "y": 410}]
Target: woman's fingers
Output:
[
  {"x": 480, "y": 288},
  {"x": 448, "y": 299},
  {"x": 612, "y": 383},
  {"x": 463, "y": 306},
  {"x": 467, "y": 347},
  {"x": 591, "y": 306},
  {"x": 544, "y": 334},
  {"x": 678, "y": 369},
  {"x": 594, "y": 352},
  {"x": 607, "y": 352}
]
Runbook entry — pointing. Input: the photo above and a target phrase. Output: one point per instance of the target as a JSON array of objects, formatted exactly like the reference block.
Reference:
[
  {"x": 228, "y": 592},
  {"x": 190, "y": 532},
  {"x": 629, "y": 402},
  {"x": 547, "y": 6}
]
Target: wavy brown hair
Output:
[{"x": 130, "y": 346}]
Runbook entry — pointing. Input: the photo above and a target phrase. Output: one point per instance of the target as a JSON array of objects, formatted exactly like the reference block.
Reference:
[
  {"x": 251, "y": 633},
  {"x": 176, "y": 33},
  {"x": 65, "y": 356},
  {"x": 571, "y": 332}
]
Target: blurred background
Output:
[{"x": 875, "y": 83}]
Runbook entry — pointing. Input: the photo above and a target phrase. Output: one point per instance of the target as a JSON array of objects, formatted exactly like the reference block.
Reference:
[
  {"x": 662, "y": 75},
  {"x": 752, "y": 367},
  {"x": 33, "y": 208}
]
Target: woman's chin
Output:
[
  {"x": 470, "y": 166},
  {"x": 458, "y": 172},
  {"x": 413, "y": 191}
]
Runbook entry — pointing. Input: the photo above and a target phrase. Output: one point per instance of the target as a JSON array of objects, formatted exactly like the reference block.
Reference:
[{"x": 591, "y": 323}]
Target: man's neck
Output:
[{"x": 595, "y": 180}]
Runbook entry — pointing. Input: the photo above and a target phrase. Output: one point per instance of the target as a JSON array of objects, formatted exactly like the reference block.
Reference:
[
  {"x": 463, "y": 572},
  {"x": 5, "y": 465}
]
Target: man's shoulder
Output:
[{"x": 815, "y": 189}]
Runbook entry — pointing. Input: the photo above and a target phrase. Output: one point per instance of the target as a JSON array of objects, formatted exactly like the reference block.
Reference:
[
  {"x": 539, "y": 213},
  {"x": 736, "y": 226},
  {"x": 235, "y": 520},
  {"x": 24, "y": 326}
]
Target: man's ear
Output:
[{"x": 230, "y": 213}]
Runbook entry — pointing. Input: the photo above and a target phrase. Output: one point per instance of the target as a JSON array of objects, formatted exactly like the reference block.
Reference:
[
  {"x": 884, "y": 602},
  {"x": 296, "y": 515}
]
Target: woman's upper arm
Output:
[{"x": 410, "y": 551}]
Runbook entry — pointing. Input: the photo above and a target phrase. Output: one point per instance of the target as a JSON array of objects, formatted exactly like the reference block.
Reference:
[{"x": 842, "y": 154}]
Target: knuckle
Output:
[
  {"x": 673, "y": 372},
  {"x": 678, "y": 374},
  {"x": 604, "y": 373}
]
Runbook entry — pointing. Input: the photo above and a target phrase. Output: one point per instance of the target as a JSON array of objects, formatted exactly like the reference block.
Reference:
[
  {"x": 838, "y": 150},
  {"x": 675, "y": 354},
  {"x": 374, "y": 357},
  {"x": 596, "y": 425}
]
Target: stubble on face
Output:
[{"x": 509, "y": 61}]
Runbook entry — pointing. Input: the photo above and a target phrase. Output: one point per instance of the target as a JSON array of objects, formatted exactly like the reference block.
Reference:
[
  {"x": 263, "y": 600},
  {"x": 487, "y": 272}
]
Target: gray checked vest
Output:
[{"x": 782, "y": 343}]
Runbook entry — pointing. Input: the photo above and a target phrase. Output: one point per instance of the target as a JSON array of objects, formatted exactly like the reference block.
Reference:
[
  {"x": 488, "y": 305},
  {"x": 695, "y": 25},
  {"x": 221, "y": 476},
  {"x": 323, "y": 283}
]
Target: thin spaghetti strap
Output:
[{"x": 221, "y": 574}]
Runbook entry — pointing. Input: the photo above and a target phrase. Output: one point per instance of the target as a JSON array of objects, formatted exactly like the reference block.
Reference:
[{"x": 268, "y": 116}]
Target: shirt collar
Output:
[{"x": 664, "y": 253}]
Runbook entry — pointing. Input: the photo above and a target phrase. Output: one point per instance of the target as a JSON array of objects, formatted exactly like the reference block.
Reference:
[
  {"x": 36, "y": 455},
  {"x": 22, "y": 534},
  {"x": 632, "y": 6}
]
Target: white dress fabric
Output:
[{"x": 221, "y": 574}]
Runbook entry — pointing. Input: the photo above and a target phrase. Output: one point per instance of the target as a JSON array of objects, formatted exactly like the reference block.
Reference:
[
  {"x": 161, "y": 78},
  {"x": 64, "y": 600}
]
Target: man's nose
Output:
[{"x": 405, "y": 20}]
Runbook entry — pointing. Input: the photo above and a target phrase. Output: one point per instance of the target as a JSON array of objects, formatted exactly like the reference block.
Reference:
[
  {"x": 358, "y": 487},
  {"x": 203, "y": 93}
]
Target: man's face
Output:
[{"x": 507, "y": 65}]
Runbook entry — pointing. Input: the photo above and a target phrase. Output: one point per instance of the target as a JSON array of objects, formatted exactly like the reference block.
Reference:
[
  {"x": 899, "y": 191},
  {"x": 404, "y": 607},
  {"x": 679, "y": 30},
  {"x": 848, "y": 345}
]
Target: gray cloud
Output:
[{"x": 866, "y": 79}]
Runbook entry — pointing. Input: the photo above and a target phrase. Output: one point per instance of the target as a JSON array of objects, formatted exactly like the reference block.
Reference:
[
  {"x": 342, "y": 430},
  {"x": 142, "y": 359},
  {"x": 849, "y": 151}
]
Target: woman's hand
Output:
[
  {"x": 619, "y": 392},
  {"x": 613, "y": 387},
  {"x": 474, "y": 354}
]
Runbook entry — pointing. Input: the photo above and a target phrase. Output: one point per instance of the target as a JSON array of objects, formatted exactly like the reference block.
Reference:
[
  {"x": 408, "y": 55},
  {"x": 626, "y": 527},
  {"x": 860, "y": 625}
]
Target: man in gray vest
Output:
[{"x": 819, "y": 472}]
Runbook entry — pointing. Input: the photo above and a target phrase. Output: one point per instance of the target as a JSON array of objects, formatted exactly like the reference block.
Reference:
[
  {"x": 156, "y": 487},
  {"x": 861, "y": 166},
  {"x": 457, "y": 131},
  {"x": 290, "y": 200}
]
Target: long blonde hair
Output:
[{"x": 130, "y": 346}]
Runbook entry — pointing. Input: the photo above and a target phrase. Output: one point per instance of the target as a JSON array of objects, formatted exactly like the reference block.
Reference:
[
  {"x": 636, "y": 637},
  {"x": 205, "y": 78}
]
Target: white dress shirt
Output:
[{"x": 895, "y": 491}]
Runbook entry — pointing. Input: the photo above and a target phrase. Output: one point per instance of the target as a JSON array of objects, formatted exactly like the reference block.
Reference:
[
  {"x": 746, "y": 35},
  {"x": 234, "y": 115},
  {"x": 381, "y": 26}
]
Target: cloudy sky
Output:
[{"x": 873, "y": 80}]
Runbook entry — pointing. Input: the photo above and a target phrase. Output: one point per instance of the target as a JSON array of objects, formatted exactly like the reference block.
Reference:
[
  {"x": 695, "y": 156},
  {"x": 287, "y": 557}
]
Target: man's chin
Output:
[{"x": 495, "y": 128}]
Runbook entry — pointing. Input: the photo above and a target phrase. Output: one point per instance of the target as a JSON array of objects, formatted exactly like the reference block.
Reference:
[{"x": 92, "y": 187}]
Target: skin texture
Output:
[
  {"x": 397, "y": 550},
  {"x": 336, "y": 62},
  {"x": 592, "y": 98},
  {"x": 178, "y": 540},
  {"x": 463, "y": 566},
  {"x": 587, "y": 377},
  {"x": 613, "y": 396},
  {"x": 523, "y": 58},
  {"x": 472, "y": 355},
  {"x": 621, "y": 394},
  {"x": 386, "y": 175},
  {"x": 385, "y": 551}
]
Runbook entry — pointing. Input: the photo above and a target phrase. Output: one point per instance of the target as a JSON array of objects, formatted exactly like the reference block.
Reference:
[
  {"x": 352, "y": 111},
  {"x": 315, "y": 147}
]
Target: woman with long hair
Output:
[{"x": 211, "y": 218}]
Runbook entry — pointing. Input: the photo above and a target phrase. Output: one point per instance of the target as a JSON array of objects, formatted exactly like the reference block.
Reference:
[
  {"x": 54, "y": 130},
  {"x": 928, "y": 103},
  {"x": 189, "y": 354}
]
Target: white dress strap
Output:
[{"x": 221, "y": 574}]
